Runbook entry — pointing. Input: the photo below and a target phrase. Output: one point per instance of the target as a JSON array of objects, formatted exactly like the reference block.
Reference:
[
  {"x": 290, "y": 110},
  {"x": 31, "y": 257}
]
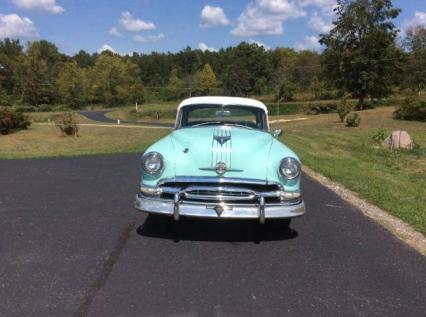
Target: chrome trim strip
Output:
[
  {"x": 215, "y": 179},
  {"x": 214, "y": 169}
]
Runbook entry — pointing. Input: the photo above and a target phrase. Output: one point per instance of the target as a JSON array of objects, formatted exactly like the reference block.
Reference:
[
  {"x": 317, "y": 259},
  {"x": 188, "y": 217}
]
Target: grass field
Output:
[
  {"x": 47, "y": 141},
  {"x": 394, "y": 181}
]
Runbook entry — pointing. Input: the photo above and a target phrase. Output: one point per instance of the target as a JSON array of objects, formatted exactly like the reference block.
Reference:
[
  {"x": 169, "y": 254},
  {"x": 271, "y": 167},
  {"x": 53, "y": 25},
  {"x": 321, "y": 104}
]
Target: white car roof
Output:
[{"x": 223, "y": 101}]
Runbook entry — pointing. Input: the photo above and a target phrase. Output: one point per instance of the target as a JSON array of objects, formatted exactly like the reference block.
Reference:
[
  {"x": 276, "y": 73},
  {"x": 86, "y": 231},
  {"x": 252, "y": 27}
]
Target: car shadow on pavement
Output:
[{"x": 191, "y": 229}]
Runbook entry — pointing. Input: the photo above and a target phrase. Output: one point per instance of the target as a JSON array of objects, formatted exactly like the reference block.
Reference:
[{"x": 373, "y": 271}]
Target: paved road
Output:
[
  {"x": 72, "y": 245},
  {"x": 100, "y": 117}
]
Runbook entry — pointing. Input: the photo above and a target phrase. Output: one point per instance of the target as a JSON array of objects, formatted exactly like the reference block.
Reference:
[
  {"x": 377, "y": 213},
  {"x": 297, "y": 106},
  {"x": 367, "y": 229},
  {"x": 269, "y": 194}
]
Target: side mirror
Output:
[{"x": 277, "y": 133}]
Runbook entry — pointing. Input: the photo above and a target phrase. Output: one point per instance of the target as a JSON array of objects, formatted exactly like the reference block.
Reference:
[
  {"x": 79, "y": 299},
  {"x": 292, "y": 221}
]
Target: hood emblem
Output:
[
  {"x": 219, "y": 209},
  {"x": 222, "y": 139},
  {"x": 220, "y": 168}
]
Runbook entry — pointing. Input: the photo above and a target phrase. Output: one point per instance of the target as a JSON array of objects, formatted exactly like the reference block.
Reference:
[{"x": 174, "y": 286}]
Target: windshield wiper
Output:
[{"x": 206, "y": 123}]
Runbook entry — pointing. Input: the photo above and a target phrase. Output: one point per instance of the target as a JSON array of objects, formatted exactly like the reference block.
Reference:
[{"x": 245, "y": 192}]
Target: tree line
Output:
[{"x": 362, "y": 57}]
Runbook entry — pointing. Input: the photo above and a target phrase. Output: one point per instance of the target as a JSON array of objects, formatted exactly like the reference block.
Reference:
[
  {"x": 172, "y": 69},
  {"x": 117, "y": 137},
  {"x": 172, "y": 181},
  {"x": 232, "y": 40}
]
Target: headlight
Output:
[
  {"x": 289, "y": 168},
  {"x": 152, "y": 163}
]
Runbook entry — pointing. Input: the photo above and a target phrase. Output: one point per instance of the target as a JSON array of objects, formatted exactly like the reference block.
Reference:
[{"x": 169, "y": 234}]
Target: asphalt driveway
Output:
[{"x": 71, "y": 244}]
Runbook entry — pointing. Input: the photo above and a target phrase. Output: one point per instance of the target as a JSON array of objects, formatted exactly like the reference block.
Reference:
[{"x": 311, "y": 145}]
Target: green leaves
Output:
[{"x": 361, "y": 56}]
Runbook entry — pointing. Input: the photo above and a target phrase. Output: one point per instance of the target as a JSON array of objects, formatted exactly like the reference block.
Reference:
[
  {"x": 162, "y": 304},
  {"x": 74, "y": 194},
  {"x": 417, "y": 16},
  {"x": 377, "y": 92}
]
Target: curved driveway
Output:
[
  {"x": 71, "y": 244},
  {"x": 100, "y": 117}
]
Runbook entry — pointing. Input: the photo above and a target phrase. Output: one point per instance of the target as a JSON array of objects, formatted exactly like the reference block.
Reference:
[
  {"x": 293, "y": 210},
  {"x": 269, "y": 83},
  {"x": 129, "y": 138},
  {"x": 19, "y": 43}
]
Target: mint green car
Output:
[{"x": 221, "y": 161}]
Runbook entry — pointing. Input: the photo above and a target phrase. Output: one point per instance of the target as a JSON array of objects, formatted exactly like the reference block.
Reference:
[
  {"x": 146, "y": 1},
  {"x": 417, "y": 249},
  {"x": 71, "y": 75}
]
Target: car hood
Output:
[{"x": 197, "y": 151}]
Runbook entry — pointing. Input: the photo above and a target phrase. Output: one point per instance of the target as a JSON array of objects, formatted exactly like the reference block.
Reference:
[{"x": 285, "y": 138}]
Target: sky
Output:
[{"x": 143, "y": 26}]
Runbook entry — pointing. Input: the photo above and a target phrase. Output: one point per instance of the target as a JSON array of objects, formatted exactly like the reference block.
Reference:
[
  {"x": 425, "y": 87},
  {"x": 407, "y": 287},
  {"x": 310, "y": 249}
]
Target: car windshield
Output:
[{"x": 233, "y": 115}]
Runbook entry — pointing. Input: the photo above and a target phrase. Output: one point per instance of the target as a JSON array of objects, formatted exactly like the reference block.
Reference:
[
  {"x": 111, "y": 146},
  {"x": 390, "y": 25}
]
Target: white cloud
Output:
[
  {"x": 42, "y": 5},
  {"x": 106, "y": 47},
  {"x": 213, "y": 16},
  {"x": 309, "y": 43},
  {"x": 149, "y": 39},
  {"x": 265, "y": 17},
  {"x": 204, "y": 47},
  {"x": 266, "y": 47},
  {"x": 114, "y": 32},
  {"x": 320, "y": 23},
  {"x": 134, "y": 25},
  {"x": 14, "y": 26},
  {"x": 318, "y": 3},
  {"x": 418, "y": 19}
]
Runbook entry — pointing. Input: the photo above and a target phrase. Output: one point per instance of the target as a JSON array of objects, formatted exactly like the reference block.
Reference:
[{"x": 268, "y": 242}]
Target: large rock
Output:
[{"x": 399, "y": 140}]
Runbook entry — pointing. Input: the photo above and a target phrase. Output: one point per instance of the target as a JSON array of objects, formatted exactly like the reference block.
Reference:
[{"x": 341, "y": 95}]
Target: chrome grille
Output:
[
  {"x": 218, "y": 193},
  {"x": 222, "y": 191}
]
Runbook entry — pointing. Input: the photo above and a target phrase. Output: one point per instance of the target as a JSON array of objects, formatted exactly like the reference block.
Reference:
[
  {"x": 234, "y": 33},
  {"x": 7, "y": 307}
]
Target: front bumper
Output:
[{"x": 219, "y": 210}]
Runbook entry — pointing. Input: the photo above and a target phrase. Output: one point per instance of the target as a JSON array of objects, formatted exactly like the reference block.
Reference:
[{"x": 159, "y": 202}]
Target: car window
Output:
[{"x": 204, "y": 115}]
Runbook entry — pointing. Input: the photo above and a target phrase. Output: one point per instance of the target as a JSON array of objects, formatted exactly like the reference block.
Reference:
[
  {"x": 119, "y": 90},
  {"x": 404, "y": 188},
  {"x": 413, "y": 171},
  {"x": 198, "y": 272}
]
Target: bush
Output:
[
  {"x": 61, "y": 108},
  {"x": 321, "y": 108},
  {"x": 45, "y": 108},
  {"x": 343, "y": 109},
  {"x": 379, "y": 136},
  {"x": 411, "y": 108},
  {"x": 67, "y": 123},
  {"x": 353, "y": 120},
  {"x": 25, "y": 108},
  {"x": 11, "y": 120},
  {"x": 285, "y": 108}
]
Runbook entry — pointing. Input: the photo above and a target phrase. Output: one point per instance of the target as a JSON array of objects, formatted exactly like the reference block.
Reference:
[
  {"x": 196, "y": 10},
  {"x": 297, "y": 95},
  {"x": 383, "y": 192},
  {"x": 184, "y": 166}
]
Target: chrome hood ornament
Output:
[
  {"x": 220, "y": 168},
  {"x": 222, "y": 139}
]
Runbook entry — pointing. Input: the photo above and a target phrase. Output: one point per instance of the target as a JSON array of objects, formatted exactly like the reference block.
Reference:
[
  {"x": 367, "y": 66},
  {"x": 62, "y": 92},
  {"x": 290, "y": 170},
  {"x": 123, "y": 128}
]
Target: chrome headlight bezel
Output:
[
  {"x": 153, "y": 156},
  {"x": 289, "y": 168}
]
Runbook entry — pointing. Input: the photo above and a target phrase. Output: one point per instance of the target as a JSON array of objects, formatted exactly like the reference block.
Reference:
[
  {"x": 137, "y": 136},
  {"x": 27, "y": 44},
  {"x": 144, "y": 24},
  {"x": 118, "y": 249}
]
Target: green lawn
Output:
[
  {"x": 394, "y": 181},
  {"x": 47, "y": 141}
]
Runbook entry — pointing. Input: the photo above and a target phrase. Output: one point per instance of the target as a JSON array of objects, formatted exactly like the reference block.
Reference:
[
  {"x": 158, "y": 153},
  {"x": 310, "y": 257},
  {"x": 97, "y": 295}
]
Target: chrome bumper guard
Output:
[{"x": 220, "y": 209}]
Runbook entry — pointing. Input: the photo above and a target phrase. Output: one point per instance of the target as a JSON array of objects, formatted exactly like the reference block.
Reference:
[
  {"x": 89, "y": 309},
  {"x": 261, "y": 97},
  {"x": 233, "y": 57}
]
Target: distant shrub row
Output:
[
  {"x": 11, "y": 121},
  {"x": 40, "y": 108},
  {"x": 411, "y": 108}
]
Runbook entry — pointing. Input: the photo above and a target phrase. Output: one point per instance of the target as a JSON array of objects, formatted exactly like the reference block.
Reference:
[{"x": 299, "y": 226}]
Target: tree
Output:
[
  {"x": 415, "y": 70},
  {"x": 83, "y": 59},
  {"x": 39, "y": 73},
  {"x": 11, "y": 55},
  {"x": 244, "y": 65},
  {"x": 205, "y": 80},
  {"x": 115, "y": 81},
  {"x": 72, "y": 85},
  {"x": 176, "y": 86},
  {"x": 284, "y": 61},
  {"x": 360, "y": 55}
]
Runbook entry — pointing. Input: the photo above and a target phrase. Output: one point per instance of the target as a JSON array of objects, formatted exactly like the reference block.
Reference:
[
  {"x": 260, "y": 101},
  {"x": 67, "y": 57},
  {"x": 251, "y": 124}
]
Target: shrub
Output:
[
  {"x": 67, "y": 123},
  {"x": 353, "y": 120},
  {"x": 321, "y": 108},
  {"x": 411, "y": 108},
  {"x": 25, "y": 108},
  {"x": 343, "y": 109},
  {"x": 379, "y": 136},
  {"x": 285, "y": 108},
  {"x": 44, "y": 108},
  {"x": 61, "y": 108},
  {"x": 11, "y": 120}
]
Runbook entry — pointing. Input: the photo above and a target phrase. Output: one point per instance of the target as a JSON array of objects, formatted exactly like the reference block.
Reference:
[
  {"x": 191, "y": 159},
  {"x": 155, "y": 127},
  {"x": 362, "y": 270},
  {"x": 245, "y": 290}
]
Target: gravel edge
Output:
[{"x": 396, "y": 226}]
